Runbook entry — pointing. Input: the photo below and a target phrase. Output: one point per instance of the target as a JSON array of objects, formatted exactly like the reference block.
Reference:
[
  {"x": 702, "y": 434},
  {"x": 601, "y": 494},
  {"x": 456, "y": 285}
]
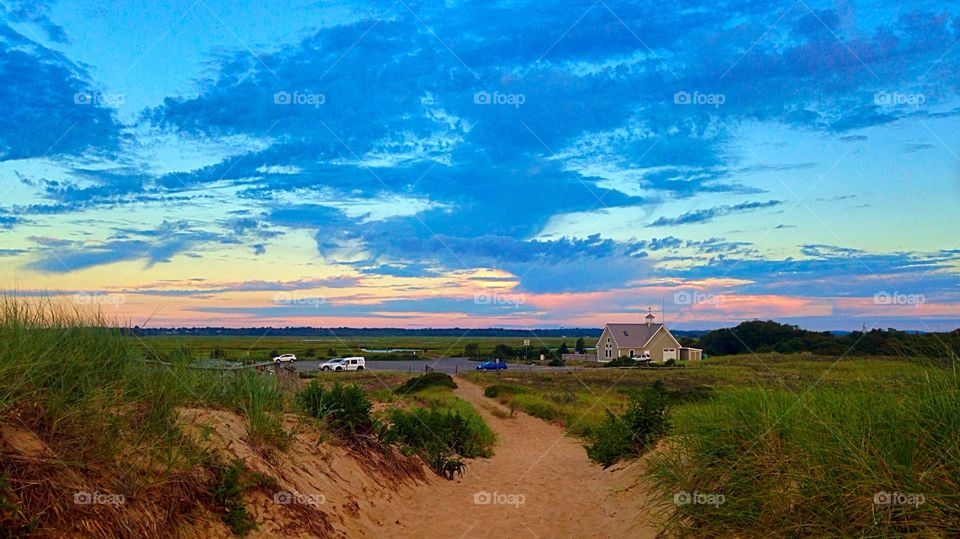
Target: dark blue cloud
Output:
[
  {"x": 709, "y": 214},
  {"x": 49, "y": 105},
  {"x": 152, "y": 246}
]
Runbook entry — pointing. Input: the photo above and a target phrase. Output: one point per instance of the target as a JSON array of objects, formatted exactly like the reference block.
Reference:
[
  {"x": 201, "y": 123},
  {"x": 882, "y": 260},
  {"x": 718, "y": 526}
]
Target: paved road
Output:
[{"x": 450, "y": 365}]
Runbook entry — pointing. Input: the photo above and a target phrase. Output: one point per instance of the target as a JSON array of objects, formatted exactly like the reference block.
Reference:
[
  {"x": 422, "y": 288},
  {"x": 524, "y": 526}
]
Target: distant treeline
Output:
[
  {"x": 369, "y": 332},
  {"x": 769, "y": 336}
]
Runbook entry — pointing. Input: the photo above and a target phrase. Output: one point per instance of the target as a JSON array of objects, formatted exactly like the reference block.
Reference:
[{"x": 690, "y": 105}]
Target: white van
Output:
[{"x": 350, "y": 364}]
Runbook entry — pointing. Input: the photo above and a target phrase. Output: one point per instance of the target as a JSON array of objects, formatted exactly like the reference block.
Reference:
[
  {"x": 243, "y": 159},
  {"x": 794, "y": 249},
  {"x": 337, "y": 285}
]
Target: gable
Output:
[{"x": 662, "y": 339}]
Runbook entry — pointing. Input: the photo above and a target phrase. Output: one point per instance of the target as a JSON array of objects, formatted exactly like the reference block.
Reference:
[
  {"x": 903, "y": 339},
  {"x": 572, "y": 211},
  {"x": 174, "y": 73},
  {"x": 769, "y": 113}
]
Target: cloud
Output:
[
  {"x": 50, "y": 106},
  {"x": 153, "y": 246},
  {"x": 709, "y": 214}
]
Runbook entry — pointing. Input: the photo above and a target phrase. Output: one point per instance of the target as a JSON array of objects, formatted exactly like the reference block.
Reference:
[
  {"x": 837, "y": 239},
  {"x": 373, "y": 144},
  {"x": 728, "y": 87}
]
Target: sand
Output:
[{"x": 539, "y": 483}]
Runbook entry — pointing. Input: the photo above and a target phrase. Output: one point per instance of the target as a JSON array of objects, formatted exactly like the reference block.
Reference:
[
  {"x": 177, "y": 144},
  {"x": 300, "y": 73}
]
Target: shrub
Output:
[
  {"x": 440, "y": 436},
  {"x": 621, "y": 362},
  {"x": 633, "y": 432},
  {"x": 345, "y": 409},
  {"x": 498, "y": 390},
  {"x": 230, "y": 484},
  {"x": 431, "y": 379},
  {"x": 556, "y": 362}
]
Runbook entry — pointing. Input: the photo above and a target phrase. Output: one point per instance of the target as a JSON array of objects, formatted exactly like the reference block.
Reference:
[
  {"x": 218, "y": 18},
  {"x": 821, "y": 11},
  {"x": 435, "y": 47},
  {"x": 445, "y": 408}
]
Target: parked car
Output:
[
  {"x": 285, "y": 358},
  {"x": 350, "y": 364},
  {"x": 329, "y": 364},
  {"x": 492, "y": 366}
]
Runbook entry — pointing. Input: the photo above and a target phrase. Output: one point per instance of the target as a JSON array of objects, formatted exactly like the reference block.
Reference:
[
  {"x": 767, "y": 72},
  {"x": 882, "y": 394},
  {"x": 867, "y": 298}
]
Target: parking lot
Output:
[{"x": 450, "y": 365}]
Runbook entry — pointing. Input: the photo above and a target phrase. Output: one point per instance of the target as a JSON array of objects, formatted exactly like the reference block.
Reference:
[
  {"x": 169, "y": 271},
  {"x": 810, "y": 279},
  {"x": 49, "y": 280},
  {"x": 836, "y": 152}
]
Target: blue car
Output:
[{"x": 492, "y": 366}]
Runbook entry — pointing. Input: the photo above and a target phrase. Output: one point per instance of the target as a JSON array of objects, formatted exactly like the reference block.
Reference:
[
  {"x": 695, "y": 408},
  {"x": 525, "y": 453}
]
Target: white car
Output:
[
  {"x": 285, "y": 358},
  {"x": 329, "y": 365},
  {"x": 350, "y": 364}
]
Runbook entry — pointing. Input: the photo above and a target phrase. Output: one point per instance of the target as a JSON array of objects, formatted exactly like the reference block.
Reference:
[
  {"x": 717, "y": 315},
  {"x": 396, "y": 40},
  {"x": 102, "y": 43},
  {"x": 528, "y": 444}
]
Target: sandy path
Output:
[{"x": 539, "y": 484}]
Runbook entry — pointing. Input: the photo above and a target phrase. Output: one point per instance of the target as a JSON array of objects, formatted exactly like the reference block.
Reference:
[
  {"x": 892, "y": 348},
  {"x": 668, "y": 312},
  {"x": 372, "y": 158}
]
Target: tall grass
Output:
[
  {"x": 71, "y": 379},
  {"x": 818, "y": 463}
]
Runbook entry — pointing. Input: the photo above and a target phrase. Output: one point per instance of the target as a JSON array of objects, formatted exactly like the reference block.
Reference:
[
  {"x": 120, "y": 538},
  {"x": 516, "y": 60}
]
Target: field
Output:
[
  {"x": 266, "y": 347},
  {"x": 747, "y": 445},
  {"x": 774, "y": 445}
]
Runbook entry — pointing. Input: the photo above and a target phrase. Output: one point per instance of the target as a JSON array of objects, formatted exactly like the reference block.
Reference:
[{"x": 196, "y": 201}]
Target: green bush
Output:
[
  {"x": 431, "y": 379},
  {"x": 636, "y": 430},
  {"x": 345, "y": 409},
  {"x": 621, "y": 362},
  {"x": 230, "y": 484},
  {"x": 497, "y": 390},
  {"x": 440, "y": 436}
]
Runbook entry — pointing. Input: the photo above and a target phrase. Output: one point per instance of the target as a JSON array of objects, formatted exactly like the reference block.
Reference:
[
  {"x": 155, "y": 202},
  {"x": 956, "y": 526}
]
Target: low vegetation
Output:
[
  {"x": 633, "y": 432},
  {"x": 855, "y": 461},
  {"x": 230, "y": 485},
  {"x": 344, "y": 409},
  {"x": 426, "y": 381},
  {"x": 772, "y": 444},
  {"x": 440, "y": 427},
  {"x": 70, "y": 385}
]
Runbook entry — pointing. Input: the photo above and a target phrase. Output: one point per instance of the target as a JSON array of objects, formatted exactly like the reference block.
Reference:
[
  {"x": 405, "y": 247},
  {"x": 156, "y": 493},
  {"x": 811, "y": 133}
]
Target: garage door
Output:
[{"x": 669, "y": 353}]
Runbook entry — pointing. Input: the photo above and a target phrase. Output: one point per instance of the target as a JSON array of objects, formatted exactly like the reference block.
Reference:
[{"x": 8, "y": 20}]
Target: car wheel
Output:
[
  {"x": 339, "y": 369},
  {"x": 359, "y": 368}
]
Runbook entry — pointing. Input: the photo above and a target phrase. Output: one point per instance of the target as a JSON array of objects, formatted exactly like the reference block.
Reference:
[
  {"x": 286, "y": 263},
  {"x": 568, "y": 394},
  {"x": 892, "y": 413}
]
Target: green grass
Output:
[
  {"x": 797, "y": 445},
  {"x": 70, "y": 379},
  {"x": 314, "y": 348},
  {"x": 579, "y": 412},
  {"x": 792, "y": 463},
  {"x": 439, "y": 427}
]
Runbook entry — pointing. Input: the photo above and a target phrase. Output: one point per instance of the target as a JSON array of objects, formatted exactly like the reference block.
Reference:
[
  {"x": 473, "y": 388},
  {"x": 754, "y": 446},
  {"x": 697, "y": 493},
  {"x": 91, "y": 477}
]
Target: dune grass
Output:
[
  {"x": 823, "y": 462},
  {"x": 69, "y": 379}
]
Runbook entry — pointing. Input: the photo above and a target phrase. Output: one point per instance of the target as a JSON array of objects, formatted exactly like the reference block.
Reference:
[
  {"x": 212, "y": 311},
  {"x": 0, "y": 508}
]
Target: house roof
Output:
[{"x": 632, "y": 335}]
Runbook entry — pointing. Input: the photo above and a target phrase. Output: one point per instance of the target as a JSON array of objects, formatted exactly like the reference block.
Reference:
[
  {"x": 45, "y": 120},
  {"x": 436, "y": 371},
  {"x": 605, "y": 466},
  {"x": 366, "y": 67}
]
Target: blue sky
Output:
[{"x": 484, "y": 163}]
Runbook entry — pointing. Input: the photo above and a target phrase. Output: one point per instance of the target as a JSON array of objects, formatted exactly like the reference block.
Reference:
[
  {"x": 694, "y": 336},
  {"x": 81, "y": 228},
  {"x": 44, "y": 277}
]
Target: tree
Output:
[
  {"x": 580, "y": 347},
  {"x": 503, "y": 351},
  {"x": 563, "y": 348},
  {"x": 472, "y": 350}
]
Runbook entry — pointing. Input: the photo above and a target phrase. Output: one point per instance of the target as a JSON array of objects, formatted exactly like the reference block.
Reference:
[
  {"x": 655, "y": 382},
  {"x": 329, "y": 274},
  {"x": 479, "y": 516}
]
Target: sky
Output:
[{"x": 520, "y": 164}]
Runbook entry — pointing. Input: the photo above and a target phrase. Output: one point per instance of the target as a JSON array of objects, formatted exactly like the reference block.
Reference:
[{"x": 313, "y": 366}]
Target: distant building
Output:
[{"x": 642, "y": 341}]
